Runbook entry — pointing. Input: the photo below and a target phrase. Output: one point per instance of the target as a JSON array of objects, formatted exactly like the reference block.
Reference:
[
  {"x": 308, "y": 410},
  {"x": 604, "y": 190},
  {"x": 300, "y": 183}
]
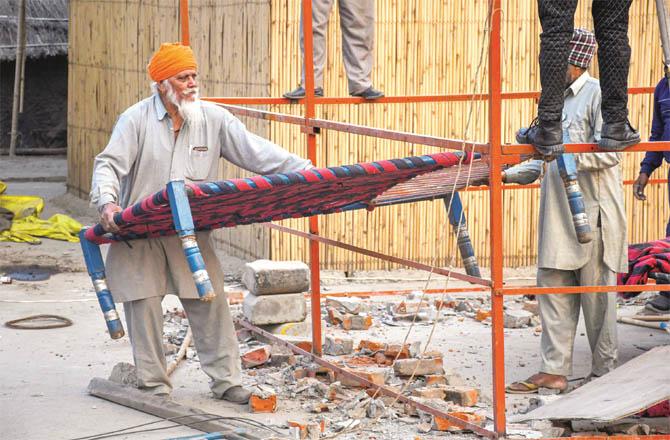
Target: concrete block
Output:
[
  {"x": 420, "y": 367},
  {"x": 265, "y": 277},
  {"x": 338, "y": 346},
  {"x": 274, "y": 309},
  {"x": 404, "y": 351},
  {"x": 516, "y": 318},
  {"x": 461, "y": 395}
]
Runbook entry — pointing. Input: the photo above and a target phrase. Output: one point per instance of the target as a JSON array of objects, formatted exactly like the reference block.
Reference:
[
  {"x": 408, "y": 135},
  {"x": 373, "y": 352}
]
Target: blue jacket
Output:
[{"x": 660, "y": 128}]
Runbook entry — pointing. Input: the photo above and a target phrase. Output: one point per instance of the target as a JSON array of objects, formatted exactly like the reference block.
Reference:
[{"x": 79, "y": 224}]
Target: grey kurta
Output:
[
  {"x": 599, "y": 176},
  {"x": 357, "y": 23},
  {"x": 562, "y": 260},
  {"x": 141, "y": 157}
]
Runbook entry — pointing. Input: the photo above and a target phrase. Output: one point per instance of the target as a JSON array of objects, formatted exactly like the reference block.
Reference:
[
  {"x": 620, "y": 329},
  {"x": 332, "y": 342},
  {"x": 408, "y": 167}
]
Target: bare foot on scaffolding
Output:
[{"x": 537, "y": 381}]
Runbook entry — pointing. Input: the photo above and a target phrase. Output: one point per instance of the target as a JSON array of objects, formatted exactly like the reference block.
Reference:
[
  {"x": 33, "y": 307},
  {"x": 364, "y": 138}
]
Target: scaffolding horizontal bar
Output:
[
  {"x": 385, "y": 257},
  {"x": 452, "y": 144},
  {"x": 334, "y": 100},
  {"x": 587, "y": 148},
  {"x": 534, "y": 290}
]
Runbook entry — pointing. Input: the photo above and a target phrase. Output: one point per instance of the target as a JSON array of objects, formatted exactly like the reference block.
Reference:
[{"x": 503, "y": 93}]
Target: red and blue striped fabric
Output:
[
  {"x": 646, "y": 260},
  {"x": 273, "y": 197}
]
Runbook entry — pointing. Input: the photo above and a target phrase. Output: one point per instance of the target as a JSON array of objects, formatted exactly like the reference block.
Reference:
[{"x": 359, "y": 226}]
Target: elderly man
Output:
[
  {"x": 357, "y": 22},
  {"x": 611, "y": 22},
  {"x": 172, "y": 135},
  {"x": 562, "y": 260}
]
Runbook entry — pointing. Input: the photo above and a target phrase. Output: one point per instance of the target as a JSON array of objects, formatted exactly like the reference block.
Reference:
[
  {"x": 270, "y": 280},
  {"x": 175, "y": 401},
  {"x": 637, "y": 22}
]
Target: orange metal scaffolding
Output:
[{"x": 493, "y": 151}]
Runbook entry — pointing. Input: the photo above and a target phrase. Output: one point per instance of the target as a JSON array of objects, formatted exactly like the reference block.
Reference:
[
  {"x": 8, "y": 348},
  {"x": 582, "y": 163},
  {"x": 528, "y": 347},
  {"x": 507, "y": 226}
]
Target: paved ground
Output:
[{"x": 46, "y": 372}]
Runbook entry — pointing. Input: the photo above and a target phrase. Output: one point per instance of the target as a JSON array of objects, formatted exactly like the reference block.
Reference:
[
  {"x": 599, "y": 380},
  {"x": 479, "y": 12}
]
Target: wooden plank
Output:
[
  {"x": 164, "y": 408},
  {"x": 631, "y": 388}
]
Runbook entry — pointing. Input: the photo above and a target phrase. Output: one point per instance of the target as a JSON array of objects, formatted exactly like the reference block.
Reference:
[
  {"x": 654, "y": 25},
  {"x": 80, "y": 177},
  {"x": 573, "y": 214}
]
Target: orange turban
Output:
[{"x": 171, "y": 59}]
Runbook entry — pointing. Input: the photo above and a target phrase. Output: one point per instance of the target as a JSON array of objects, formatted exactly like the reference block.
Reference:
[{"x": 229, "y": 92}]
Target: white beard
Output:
[{"x": 189, "y": 110}]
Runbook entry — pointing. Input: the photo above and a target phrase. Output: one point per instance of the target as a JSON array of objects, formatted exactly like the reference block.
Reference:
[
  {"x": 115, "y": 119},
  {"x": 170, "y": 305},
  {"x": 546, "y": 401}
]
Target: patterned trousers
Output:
[{"x": 610, "y": 18}]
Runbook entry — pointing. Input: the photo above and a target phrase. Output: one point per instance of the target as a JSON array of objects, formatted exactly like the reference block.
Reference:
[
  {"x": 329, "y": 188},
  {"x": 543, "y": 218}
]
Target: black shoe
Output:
[
  {"x": 618, "y": 135},
  {"x": 299, "y": 93},
  {"x": 545, "y": 136},
  {"x": 369, "y": 93},
  {"x": 237, "y": 394},
  {"x": 659, "y": 304}
]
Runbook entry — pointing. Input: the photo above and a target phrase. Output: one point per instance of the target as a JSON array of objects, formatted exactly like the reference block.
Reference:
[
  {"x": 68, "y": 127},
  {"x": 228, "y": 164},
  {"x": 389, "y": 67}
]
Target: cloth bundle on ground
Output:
[
  {"x": 21, "y": 220},
  {"x": 647, "y": 260}
]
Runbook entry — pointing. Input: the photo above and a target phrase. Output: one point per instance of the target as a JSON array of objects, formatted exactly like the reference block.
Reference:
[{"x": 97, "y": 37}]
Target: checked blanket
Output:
[
  {"x": 260, "y": 199},
  {"x": 647, "y": 260}
]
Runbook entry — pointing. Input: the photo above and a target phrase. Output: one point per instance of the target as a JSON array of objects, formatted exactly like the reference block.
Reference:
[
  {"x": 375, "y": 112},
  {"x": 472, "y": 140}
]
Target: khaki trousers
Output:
[
  {"x": 357, "y": 22},
  {"x": 560, "y": 315},
  {"x": 213, "y": 334}
]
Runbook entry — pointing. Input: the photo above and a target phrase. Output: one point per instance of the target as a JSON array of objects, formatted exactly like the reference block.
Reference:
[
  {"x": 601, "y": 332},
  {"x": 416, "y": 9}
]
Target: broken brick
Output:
[
  {"x": 444, "y": 304},
  {"x": 279, "y": 359},
  {"x": 403, "y": 351},
  {"x": 306, "y": 431},
  {"x": 381, "y": 359},
  {"x": 482, "y": 314},
  {"x": 360, "y": 361},
  {"x": 461, "y": 395},
  {"x": 357, "y": 322},
  {"x": 442, "y": 424},
  {"x": 334, "y": 317},
  {"x": 347, "y": 305},
  {"x": 372, "y": 346},
  {"x": 303, "y": 344},
  {"x": 262, "y": 402},
  {"x": 418, "y": 367},
  {"x": 376, "y": 376},
  {"x": 429, "y": 393},
  {"x": 256, "y": 357},
  {"x": 435, "y": 379},
  {"x": 338, "y": 346}
]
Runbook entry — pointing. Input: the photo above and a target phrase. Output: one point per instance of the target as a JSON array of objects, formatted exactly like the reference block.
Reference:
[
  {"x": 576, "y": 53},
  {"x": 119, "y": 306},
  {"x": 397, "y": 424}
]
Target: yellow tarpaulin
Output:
[{"x": 27, "y": 224}]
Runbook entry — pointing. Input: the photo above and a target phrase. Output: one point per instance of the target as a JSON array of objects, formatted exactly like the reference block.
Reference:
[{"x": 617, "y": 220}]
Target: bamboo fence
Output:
[{"x": 422, "y": 47}]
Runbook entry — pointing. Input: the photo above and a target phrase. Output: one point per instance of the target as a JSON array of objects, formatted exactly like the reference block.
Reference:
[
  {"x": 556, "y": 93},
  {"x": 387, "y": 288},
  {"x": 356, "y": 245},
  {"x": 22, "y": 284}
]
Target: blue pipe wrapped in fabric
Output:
[
  {"x": 457, "y": 220},
  {"x": 567, "y": 168},
  {"x": 96, "y": 270},
  {"x": 183, "y": 223}
]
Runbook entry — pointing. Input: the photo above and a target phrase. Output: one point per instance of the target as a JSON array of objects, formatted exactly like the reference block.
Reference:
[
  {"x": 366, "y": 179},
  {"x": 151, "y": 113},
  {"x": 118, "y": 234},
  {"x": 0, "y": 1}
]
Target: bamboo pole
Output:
[{"x": 20, "y": 49}]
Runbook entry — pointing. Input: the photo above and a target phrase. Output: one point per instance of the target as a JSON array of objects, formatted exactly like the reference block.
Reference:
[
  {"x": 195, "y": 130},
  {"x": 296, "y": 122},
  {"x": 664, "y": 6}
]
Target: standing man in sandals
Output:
[
  {"x": 562, "y": 260},
  {"x": 172, "y": 135},
  {"x": 558, "y": 20},
  {"x": 357, "y": 22}
]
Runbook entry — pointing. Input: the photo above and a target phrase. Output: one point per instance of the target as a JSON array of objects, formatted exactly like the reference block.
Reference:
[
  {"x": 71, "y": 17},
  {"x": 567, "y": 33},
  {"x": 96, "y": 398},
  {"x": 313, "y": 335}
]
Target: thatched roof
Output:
[{"x": 46, "y": 28}]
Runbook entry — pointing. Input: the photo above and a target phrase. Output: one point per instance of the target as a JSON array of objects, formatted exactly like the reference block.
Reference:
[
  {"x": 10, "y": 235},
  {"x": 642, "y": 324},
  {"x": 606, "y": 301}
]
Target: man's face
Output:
[{"x": 185, "y": 86}]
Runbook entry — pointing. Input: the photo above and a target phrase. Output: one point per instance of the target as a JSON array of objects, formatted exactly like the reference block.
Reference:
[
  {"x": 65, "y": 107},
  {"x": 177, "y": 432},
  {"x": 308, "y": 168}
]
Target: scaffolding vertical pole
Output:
[
  {"x": 183, "y": 20},
  {"x": 495, "y": 132},
  {"x": 315, "y": 275}
]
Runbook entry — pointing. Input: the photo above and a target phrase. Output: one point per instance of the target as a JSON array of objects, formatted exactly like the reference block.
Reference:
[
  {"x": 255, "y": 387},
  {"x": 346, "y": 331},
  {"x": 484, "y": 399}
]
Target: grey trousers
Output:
[
  {"x": 357, "y": 22},
  {"x": 213, "y": 334},
  {"x": 560, "y": 315}
]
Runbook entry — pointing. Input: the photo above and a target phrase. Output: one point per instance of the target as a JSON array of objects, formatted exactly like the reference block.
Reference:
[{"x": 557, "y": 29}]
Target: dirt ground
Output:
[{"x": 46, "y": 372}]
